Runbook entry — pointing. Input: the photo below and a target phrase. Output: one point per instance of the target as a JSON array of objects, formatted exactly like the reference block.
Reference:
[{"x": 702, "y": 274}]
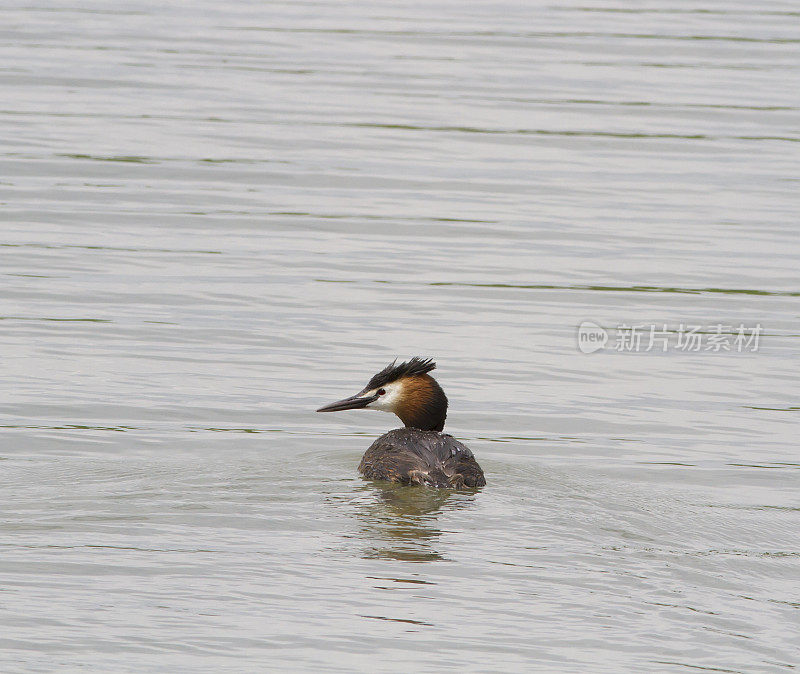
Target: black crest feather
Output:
[{"x": 392, "y": 372}]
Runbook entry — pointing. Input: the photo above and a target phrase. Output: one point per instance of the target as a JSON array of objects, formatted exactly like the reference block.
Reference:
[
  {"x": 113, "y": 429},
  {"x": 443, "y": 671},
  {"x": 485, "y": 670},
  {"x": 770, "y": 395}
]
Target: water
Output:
[{"x": 218, "y": 216}]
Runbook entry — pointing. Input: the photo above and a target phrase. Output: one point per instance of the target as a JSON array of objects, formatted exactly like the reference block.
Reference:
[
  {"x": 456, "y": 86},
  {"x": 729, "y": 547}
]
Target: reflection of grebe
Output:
[{"x": 419, "y": 453}]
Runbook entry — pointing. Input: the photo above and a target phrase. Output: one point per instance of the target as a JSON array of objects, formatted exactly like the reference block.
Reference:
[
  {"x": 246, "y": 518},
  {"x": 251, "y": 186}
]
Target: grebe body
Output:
[{"x": 420, "y": 453}]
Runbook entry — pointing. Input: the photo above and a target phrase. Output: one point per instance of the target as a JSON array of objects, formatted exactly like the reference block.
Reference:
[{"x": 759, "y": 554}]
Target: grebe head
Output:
[{"x": 407, "y": 390}]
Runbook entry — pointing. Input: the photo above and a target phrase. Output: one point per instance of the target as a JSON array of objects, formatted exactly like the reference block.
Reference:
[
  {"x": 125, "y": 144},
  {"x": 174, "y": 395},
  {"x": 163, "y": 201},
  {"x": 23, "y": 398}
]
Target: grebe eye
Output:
[{"x": 381, "y": 391}]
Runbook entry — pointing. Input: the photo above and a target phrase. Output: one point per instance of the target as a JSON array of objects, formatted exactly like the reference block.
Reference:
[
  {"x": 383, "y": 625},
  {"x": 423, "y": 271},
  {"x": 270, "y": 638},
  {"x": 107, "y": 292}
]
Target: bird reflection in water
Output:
[{"x": 401, "y": 522}]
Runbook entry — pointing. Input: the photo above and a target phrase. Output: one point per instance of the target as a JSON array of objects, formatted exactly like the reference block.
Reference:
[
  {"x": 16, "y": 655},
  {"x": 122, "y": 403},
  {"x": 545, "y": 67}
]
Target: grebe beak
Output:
[{"x": 355, "y": 402}]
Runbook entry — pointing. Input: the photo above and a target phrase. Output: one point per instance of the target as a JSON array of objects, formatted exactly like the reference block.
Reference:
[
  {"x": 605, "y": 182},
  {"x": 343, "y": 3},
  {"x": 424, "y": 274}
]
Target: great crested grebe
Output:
[{"x": 419, "y": 453}]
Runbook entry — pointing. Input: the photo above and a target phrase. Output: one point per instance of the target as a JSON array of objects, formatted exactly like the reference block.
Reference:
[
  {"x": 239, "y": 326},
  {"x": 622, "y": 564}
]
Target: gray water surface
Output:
[{"x": 218, "y": 216}]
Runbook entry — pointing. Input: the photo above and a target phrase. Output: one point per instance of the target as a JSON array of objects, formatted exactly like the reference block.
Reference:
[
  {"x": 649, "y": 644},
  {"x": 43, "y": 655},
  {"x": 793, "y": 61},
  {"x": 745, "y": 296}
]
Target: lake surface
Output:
[{"x": 217, "y": 217}]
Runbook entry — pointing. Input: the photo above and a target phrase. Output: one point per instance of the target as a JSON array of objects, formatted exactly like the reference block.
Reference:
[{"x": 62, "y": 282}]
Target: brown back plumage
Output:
[{"x": 412, "y": 456}]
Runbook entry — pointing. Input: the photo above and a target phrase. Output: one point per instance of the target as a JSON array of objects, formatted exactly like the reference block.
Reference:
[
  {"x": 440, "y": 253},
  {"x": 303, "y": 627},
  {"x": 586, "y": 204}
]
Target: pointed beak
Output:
[{"x": 355, "y": 402}]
